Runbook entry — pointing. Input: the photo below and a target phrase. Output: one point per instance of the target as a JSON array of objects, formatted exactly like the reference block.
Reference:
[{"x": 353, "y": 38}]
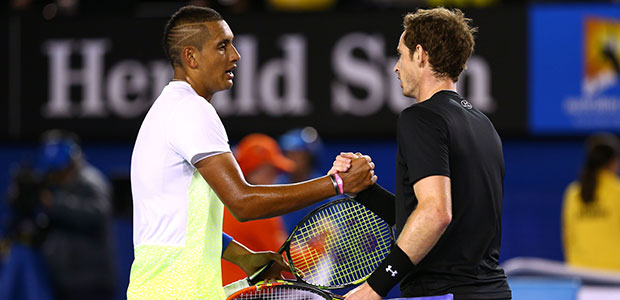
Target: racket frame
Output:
[
  {"x": 302, "y": 222},
  {"x": 253, "y": 279},
  {"x": 296, "y": 285}
]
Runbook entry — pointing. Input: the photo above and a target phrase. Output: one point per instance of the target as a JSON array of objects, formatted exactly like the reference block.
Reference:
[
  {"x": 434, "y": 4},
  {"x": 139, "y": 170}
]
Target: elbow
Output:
[
  {"x": 442, "y": 217},
  {"x": 241, "y": 213},
  {"x": 241, "y": 218},
  {"x": 240, "y": 202},
  {"x": 243, "y": 210}
]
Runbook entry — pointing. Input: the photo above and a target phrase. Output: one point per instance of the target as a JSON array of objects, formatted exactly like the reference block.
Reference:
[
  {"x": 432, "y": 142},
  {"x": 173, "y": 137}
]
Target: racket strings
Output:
[
  {"x": 279, "y": 292},
  {"x": 362, "y": 244},
  {"x": 356, "y": 234},
  {"x": 337, "y": 245}
]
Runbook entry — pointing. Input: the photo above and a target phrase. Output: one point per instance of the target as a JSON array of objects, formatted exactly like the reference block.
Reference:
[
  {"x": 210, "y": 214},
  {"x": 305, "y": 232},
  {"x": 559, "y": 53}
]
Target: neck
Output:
[
  {"x": 432, "y": 85},
  {"x": 613, "y": 166},
  {"x": 181, "y": 75}
]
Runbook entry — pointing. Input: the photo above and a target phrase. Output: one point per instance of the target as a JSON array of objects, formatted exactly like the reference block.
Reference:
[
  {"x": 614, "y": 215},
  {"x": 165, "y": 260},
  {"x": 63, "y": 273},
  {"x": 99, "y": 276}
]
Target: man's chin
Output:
[{"x": 227, "y": 85}]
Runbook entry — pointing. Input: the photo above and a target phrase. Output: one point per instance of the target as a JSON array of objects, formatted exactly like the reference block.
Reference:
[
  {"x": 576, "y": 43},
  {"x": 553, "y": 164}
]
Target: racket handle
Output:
[
  {"x": 252, "y": 278},
  {"x": 238, "y": 285}
]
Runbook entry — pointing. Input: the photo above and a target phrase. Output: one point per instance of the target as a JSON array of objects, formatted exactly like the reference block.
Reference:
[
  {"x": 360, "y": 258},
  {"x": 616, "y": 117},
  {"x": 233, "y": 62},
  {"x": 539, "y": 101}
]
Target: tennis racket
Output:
[
  {"x": 282, "y": 290},
  {"x": 336, "y": 245}
]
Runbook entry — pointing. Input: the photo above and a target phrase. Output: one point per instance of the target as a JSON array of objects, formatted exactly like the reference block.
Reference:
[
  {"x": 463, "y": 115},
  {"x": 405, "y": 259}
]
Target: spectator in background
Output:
[
  {"x": 75, "y": 197},
  {"x": 261, "y": 162},
  {"x": 591, "y": 211},
  {"x": 23, "y": 272},
  {"x": 304, "y": 147}
]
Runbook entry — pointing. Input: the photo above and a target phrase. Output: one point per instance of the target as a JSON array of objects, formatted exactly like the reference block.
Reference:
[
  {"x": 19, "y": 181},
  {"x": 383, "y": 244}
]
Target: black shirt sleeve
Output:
[
  {"x": 423, "y": 138},
  {"x": 380, "y": 201}
]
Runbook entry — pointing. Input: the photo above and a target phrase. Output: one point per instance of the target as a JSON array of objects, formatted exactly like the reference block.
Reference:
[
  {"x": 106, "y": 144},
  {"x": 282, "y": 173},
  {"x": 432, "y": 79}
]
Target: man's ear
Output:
[
  {"x": 189, "y": 56},
  {"x": 421, "y": 56}
]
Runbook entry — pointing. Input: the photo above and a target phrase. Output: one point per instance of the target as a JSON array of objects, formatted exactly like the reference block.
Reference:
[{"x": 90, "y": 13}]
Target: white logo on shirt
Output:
[
  {"x": 389, "y": 269},
  {"x": 466, "y": 104}
]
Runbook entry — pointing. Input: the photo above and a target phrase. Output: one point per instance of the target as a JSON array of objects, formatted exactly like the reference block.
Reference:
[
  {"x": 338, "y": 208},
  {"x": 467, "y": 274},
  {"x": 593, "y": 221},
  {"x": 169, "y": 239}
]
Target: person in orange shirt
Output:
[{"x": 261, "y": 162}]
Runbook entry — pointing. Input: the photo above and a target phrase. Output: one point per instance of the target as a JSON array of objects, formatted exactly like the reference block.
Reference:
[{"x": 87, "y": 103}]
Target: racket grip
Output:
[
  {"x": 252, "y": 279},
  {"x": 238, "y": 285}
]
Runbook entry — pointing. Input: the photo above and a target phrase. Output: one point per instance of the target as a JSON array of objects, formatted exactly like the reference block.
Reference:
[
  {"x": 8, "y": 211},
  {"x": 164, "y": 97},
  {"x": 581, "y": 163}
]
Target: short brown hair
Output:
[
  {"x": 445, "y": 34},
  {"x": 186, "y": 27}
]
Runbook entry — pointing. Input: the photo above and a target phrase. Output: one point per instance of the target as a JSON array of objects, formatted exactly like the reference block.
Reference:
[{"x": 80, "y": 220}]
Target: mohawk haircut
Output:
[{"x": 186, "y": 28}]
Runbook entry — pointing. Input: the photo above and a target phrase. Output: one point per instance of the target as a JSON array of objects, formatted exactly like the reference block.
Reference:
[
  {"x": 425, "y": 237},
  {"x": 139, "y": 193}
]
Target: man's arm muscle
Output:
[{"x": 429, "y": 220}]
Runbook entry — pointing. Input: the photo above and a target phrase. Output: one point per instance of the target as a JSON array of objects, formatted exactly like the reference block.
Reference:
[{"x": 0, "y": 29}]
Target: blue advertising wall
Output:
[{"x": 574, "y": 76}]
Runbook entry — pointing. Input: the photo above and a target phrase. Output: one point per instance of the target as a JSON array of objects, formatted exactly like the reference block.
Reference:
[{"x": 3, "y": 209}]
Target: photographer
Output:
[{"x": 75, "y": 198}]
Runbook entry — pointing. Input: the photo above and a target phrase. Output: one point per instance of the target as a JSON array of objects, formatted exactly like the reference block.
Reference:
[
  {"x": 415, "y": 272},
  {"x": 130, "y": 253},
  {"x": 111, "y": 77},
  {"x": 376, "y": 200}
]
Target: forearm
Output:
[
  {"x": 421, "y": 232},
  {"x": 249, "y": 202},
  {"x": 419, "y": 235},
  {"x": 235, "y": 252},
  {"x": 425, "y": 225},
  {"x": 264, "y": 201},
  {"x": 239, "y": 255},
  {"x": 251, "y": 262}
]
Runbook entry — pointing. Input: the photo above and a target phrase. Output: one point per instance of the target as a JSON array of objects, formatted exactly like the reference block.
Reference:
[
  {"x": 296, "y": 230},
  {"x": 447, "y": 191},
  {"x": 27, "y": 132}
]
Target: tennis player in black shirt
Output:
[{"x": 449, "y": 174}]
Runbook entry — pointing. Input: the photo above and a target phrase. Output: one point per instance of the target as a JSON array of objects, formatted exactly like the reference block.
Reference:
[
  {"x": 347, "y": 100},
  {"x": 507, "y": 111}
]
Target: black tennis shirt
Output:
[{"x": 445, "y": 135}]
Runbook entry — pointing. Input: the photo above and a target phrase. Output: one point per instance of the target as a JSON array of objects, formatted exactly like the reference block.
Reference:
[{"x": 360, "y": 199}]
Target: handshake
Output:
[{"x": 356, "y": 170}]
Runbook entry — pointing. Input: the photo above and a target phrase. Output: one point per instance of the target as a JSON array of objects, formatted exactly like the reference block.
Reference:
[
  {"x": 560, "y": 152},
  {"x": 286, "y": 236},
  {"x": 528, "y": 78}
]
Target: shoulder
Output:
[
  {"x": 572, "y": 199},
  {"x": 572, "y": 190},
  {"x": 611, "y": 181},
  {"x": 417, "y": 110},
  {"x": 193, "y": 103},
  {"x": 193, "y": 109},
  {"x": 180, "y": 97},
  {"x": 420, "y": 114}
]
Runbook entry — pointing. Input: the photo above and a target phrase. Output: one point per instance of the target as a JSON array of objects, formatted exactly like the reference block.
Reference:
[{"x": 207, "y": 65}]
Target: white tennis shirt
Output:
[
  {"x": 177, "y": 217},
  {"x": 179, "y": 129}
]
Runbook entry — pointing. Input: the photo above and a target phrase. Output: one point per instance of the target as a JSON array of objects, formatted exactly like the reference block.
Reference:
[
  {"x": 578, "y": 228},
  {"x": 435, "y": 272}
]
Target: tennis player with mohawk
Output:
[{"x": 183, "y": 173}]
